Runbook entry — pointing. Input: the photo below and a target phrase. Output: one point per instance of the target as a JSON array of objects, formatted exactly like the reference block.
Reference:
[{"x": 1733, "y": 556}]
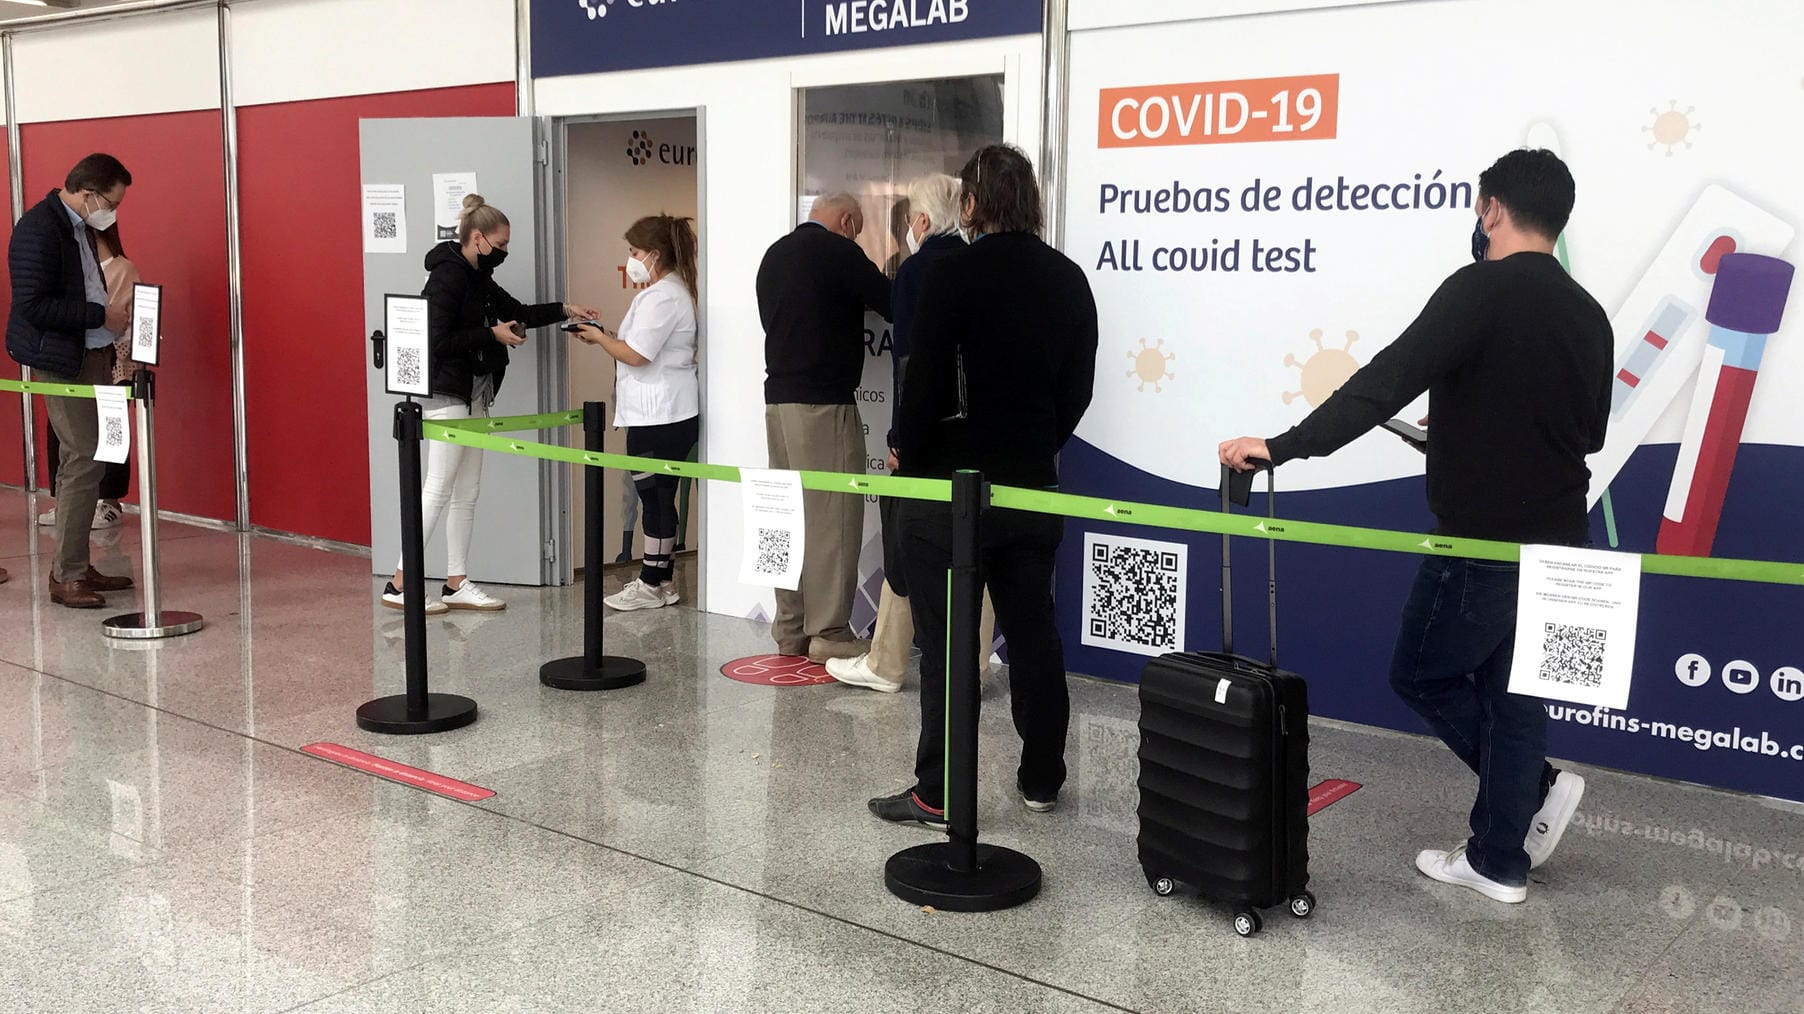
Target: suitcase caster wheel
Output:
[
  {"x": 1247, "y": 923},
  {"x": 1303, "y": 905},
  {"x": 1162, "y": 886}
]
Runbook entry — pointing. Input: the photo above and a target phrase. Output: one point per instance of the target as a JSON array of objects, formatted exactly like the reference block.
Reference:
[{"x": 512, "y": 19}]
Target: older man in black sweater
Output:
[
  {"x": 813, "y": 289},
  {"x": 1516, "y": 359}
]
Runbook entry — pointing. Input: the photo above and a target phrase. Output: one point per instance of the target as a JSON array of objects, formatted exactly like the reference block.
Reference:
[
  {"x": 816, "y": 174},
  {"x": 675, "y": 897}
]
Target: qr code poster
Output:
[
  {"x": 407, "y": 366},
  {"x": 1134, "y": 594},
  {"x": 1575, "y": 625},
  {"x": 774, "y": 529},
  {"x": 115, "y": 437},
  {"x": 384, "y": 218},
  {"x": 147, "y": 323}
]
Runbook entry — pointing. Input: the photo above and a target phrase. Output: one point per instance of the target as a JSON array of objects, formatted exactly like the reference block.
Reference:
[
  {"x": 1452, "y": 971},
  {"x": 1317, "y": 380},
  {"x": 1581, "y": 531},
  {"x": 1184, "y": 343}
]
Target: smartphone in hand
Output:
[{"x": 1414, "y": 436}]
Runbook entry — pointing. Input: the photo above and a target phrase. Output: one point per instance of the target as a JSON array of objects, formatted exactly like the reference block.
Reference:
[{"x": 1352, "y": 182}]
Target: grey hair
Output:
[
  {"x": 833, "y": 204},
  {"x": 938, "y": 197}
]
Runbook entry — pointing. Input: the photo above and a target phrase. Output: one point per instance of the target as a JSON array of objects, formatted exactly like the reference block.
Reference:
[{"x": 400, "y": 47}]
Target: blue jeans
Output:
[{"x": 1452, "y": 667}]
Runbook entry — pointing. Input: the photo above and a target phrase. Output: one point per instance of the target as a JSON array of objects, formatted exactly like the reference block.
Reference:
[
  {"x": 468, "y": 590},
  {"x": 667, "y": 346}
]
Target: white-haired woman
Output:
[{"x": 933, "y": 217}]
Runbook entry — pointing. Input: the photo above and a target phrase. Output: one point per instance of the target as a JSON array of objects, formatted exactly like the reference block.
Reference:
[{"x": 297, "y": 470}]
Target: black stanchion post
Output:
[
  {"x": 417, "y": 711},
  {"x": 960, "y": 875},
  {"x": 592, "y": 670}
]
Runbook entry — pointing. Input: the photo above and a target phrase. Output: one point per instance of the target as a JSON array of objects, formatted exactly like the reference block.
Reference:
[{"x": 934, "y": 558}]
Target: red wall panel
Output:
[
  {"x": 305, "y": 348},
  {"x": 173, "y": 227},
  {"x": 12, "y": 425}
]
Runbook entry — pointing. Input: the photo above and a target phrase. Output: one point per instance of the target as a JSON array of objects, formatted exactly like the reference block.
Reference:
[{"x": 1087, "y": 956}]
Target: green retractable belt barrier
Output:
[{"x": 55, "y": 390}]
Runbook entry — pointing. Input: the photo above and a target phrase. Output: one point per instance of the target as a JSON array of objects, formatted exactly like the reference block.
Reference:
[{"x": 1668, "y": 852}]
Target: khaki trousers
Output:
[
  {"x": 820, "y": 438},
  {"x": 895, "y": 634},
  {"x": 77, "y": 425}
]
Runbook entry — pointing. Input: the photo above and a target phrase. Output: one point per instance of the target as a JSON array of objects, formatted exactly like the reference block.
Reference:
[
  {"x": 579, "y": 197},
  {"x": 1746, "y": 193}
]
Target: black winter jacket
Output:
[
  {"x": 462, "y": 304},
  {"x": 47, "y": 326}
]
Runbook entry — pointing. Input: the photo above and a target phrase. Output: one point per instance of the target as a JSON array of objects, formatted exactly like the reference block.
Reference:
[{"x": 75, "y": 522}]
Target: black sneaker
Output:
[
  {"x": 1038, "y": 804},
  {"x": 906, "y": 808}
]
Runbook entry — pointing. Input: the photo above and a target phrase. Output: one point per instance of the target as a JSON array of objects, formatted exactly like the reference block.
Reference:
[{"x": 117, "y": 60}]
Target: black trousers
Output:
[
  {"x": 658, "y": 490},
  {"x": 115, "y": 482},
  {"x": 1016, "y": 566}
]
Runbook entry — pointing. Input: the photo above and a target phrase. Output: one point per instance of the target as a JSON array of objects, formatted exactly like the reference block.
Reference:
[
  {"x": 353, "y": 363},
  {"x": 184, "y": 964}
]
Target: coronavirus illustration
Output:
[
  {"x": 1324, "y": 371},
  {"x": 1152, "y": 364},
  {"x": 1672, "y": 127}
]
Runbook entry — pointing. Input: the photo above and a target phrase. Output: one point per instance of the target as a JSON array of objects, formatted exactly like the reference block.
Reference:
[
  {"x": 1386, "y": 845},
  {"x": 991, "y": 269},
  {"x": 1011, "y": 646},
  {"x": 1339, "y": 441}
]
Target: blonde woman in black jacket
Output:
[{"x": 471, "y": 322}]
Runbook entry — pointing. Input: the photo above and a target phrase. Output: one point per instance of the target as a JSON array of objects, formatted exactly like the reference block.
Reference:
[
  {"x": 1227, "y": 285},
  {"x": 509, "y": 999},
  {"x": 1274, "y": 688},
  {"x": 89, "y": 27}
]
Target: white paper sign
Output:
[
  {"x": 1575, "y": 625},
  {"x": 115, "y": 429},
  {"x": 407, "y": 368},
  {"x": 774, "y": 533},
  {"x": 448, "y": 193},
  {"x": 385, "y": 218},
  {"x": 147, "y": 323}
]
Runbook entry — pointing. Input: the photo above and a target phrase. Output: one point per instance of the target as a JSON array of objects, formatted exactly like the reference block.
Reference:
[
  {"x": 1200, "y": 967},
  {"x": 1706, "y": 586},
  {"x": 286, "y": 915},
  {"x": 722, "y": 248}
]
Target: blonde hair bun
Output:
[{"x": 472, "y": 202}]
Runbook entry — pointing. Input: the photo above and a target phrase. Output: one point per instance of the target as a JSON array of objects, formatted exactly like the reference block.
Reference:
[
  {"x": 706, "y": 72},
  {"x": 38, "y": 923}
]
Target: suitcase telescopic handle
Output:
[{"x": 1237, "y": 488}]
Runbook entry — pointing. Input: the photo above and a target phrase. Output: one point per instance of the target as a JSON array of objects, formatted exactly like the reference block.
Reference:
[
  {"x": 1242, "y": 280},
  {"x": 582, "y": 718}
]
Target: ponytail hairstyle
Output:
[
  {"x": 673, "y": 240},
  {"x": 478, "y": 216}
]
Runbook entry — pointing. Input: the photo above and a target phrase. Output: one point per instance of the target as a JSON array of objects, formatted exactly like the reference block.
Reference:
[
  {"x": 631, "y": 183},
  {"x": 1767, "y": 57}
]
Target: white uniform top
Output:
[{"x": 660, "y": 325}]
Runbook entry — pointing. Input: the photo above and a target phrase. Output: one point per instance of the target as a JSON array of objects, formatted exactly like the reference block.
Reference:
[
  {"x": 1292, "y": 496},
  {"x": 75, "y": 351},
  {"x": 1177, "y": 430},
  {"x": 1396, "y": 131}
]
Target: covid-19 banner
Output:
[{"x": 1264, "y": 202}]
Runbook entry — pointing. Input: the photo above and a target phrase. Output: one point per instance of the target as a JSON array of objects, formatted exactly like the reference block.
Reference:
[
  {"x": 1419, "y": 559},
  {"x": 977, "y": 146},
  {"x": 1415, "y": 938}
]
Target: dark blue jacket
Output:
[
  {"x": 904, "y": 294},
  {"x": 51, "y": 316}
]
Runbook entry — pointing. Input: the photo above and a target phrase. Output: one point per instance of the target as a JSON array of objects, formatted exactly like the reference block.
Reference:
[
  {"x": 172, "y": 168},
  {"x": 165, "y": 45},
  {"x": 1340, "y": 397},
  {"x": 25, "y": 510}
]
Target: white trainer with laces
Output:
[
  {"x": 1549, "y": 825},
  {"x": 471, "y": 596},
  {"x": 639, "y": 595},
  {"x": 107, "y": 515},
  {"x": 47, "y": 519},
  {"x": 857, "y": 672},
  {"x": 1452, "y": 867}
]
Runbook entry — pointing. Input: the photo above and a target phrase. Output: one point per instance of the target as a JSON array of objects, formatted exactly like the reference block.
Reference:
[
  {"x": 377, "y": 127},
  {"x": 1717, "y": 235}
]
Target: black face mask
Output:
[
  {"x": 491, "y": 260},
  {"x": 1481, "y": 243}
]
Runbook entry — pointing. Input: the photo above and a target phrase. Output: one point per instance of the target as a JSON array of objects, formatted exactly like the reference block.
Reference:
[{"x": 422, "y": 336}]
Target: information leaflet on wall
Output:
[
  {"x": 774, "y": 532},
  {"x": 385, "y": 218},
  {"x": 1575, "y": 625},
  {"x": 448, "y": 193},
  {"x": 115, "y": 443},
  {"x": 408, "y": 368},
  {"x": 147, "y": 323}
]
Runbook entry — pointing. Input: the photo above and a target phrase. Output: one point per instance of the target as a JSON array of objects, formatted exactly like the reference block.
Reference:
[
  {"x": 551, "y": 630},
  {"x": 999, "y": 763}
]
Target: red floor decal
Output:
[
  {"x": 776, "y": 671},
  {"x": 370, "y": 763},
  {"x": 1330, "y": 792}
]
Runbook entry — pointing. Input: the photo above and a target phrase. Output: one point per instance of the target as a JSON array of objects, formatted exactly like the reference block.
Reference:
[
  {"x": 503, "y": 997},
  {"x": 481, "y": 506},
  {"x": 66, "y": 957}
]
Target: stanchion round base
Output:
[
  {"x": 614, "y": 673},
  {"x": 1003, "y": 878},
  {"x": 170, "y": 623},
  {"x": 389, "y": 715}
]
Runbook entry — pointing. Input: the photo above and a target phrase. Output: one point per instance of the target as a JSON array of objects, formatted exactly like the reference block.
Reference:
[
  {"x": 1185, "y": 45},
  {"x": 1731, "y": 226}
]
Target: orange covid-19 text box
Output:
[{"x": 1301, "y": 108}]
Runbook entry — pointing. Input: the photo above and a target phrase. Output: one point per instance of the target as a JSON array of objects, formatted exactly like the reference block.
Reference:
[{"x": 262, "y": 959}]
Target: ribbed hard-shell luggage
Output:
[{"x": 1224, "y": 767}]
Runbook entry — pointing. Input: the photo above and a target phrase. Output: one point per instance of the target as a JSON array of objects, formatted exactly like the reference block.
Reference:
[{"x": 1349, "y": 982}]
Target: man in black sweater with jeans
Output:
[
  {"x": 1516, "y": 359},
  {"x": 813, "y": 289}
]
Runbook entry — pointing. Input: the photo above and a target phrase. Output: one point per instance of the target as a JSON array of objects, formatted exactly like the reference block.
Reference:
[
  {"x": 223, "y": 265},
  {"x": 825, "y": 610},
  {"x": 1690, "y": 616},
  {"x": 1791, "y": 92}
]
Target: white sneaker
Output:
[
  {"x": 106, "y": 515},
  {"x": 470, "y": 596},
  {"x": 857, "y": 672},
  {"x": 47, "y": 519},
  {"x": 1549, "y": 825},
  {"x": 639, "y": 595},
  {"x": 1453, "y": 868},
  {"x": 393, "y": 600}
]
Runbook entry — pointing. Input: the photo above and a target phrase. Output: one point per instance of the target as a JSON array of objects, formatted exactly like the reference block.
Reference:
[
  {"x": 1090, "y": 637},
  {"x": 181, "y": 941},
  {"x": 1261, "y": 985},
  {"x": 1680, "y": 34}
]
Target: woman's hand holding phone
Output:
[{"x": 509, "y": 333}]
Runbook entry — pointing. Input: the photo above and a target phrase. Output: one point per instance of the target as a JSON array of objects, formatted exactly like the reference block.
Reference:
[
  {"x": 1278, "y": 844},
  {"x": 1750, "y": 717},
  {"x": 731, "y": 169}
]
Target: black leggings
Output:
[
  {"x": 657, "y": 491},
  {"x": 115, "y": 482}
]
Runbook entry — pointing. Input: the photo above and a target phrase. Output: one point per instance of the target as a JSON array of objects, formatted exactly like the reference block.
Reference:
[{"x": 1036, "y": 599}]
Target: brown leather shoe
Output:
[
  {"x": 103, "y": 583},
  {"x": 76, "y": 595},
  {"x": 4, "y": 577}
]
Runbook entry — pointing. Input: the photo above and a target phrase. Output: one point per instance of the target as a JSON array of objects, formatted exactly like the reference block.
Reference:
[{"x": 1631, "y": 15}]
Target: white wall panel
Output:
[
  {"x": 293, "y": 50},
  {"x": 161, "y": 63}
]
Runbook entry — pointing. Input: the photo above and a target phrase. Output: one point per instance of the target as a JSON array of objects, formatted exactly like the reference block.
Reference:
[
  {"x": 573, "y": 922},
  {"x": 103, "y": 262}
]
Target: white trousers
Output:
[{"x": 453, "y": 481}]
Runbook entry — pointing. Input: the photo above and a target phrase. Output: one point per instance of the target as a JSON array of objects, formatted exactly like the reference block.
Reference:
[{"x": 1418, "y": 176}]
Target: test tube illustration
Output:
[{"x": 1747, "y": 304}]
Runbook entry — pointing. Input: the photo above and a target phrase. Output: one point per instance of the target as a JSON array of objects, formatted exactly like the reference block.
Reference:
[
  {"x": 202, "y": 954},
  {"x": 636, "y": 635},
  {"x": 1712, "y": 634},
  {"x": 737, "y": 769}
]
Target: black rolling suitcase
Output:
[{"x": 1224, "y": 767}]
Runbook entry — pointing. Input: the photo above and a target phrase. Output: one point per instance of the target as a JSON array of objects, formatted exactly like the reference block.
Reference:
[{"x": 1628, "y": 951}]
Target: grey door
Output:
[{"x": 516, "y": 527}]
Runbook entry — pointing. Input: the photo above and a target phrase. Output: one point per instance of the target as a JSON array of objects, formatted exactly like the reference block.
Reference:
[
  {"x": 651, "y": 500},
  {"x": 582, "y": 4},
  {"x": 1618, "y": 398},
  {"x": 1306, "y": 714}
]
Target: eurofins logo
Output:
[
  {"x": 598, "y": 9},
  {"x": 639, "y": 148}
]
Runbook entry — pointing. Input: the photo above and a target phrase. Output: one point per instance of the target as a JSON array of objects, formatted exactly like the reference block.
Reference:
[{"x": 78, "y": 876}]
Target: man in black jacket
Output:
[
  {"x": 1516, "y": 359},
  {"x": 813, "y": 289},
  {"x": 60, "y": 326}
]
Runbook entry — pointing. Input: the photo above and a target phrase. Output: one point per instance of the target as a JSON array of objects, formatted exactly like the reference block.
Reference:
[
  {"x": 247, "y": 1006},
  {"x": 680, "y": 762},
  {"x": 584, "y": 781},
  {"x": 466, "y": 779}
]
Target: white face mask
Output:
[
  {"x": 914, "y": 245},
  {"x": 636, "y": 271},
  {"x": 102, "y": 219}
]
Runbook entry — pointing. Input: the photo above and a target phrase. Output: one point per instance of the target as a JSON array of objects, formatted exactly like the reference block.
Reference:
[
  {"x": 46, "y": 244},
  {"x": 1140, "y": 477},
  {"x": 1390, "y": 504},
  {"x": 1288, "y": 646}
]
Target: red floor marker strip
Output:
[
  {"x": 1330, "y": 792},
  {"x": 777, "y": 671},
  {"x": 450, "y": 788}
]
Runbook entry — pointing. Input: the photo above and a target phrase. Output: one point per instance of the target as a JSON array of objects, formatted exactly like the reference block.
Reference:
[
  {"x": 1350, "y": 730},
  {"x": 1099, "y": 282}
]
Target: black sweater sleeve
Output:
[
  {"x": 534, "y": 315},
  {"x": 1078, "y": 378},
  {"x": 930, "y": 387},
  {"x": 871, "y": 284},
  {"x": 1442, "y": 336}
]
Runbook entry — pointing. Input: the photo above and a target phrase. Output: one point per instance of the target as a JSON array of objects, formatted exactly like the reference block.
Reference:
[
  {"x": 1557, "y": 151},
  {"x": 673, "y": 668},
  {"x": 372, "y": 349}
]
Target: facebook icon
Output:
[{"x": 1693, "y": 670}]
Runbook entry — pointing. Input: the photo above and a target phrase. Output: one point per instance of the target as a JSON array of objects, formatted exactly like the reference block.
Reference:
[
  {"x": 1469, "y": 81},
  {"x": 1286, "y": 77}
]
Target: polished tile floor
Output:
[{"x": 697, "y": 844}]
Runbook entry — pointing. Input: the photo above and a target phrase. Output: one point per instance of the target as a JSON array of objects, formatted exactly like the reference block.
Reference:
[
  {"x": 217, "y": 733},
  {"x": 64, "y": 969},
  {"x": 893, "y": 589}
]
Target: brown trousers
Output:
[
  {"x": 76, "y": 422},
  {"x": 820, "y": 438}
]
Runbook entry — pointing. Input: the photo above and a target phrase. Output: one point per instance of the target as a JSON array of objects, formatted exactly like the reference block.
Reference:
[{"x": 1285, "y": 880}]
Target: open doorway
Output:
[{"x": 617, "y": 170}]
